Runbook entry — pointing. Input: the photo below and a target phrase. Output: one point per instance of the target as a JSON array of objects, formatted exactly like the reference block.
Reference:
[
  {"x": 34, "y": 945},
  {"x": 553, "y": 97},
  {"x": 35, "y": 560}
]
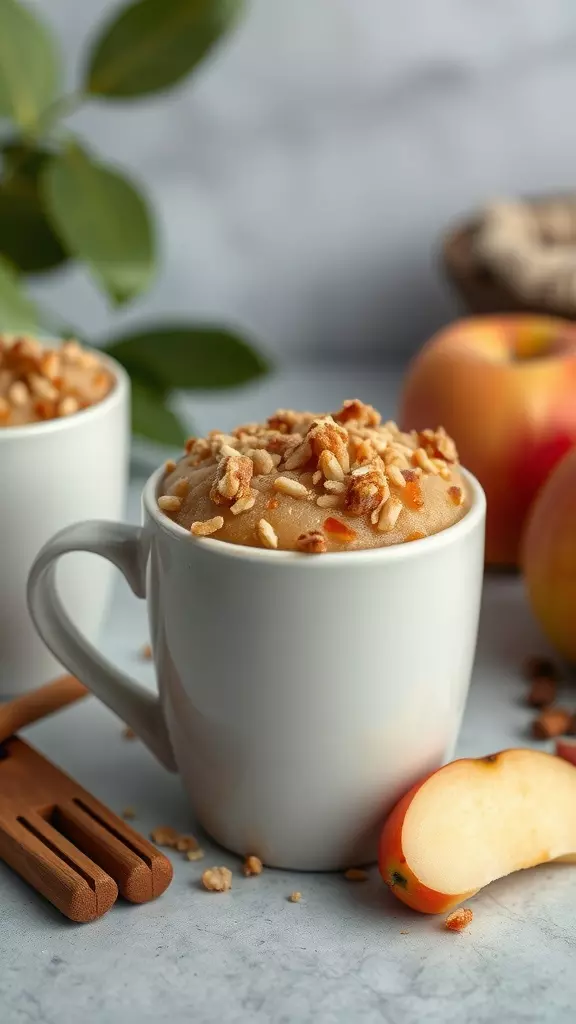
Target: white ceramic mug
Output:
[
  {"x": 300, "y": 695},
  {"x": 53, "y": 474}
]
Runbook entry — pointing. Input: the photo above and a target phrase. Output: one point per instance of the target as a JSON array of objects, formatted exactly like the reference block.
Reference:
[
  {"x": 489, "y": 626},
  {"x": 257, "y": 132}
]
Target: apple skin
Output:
[
  {"x": 397, "y": 875},
  {"x": 549, "y": 557},
  {"x": 566, "y": 750},
  {"x": 525, "y": 767},
  {"x": 504, "y": 387}
]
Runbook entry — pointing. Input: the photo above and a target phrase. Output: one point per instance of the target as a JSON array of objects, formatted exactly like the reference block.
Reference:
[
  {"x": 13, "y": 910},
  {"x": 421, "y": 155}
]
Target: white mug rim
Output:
[
  {"x": 360, "y": 556},
  {"x": 116, "y": 395}
]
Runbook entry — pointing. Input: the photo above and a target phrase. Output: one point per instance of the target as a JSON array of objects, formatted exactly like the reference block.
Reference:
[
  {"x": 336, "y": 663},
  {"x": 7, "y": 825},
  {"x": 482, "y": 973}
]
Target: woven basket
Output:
[{"x": 479, "y": 290}]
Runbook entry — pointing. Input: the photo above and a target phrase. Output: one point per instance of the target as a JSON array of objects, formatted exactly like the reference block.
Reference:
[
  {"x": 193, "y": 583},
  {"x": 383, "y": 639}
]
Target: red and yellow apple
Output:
[
  {"x": 475, "y": 820},
  {"x": 549, "y": 556},
  {"x": 504, "y": 387}
]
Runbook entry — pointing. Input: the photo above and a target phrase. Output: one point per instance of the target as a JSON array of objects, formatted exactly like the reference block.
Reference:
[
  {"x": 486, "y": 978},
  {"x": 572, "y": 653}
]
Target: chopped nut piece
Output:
[
  {"x": 391, "y": 510},
  {"x": 312, "y": 543},
  {"x": 233, "y": 479},
  {"x": 366, "y": 491},
  {"x": 272, "y": 503},
  {"x": 165, "y": 835},
  {"x": 186, "y": 843},
  {"x": 267, "y": 534},
  {"x": 209, "y": 526},
  {"x": 551, "y": 722},
  {"x": 335, "y": 487},
  {"x": 68, "y": 406},
  {"x": 169, "y": 503},
  {"x": 395, "y": 476},
  {"x": 330, "y": 500},
  {"x": 170, "y": 466},
  {"x": 354, "y": 409},
  {"x": 317, "y": 476},
  {"x": 458, "y": 919},
  {"x": 227, "y": 449},
  {"x": 293, "y": 488},
  {"x": 243, "y": 504},
  {"x": 420, "y": 458},
  {"x": 295, "y": 897},
  {"x": 299, "y": 456},
  {"x": 415, "y": 535},
  {"x": 18, "y": 393},
  {"x": 217, "y": 879},
  {"x": 437, "y": 444},
  {"x": 326, "y": 434},
  {"x": 42, "y": 388},
  {"x": 252, "y": 866},
  {"x": 128, "y": 813},
  {"x": 330, "y": 467},
  {"x": 195, "y": 854},
  {"x": 263, "y": 461},
  {"x": 356, "y": 875},
  {"x": 542, "y": 693},
  {"x": 50, "y": 365}
]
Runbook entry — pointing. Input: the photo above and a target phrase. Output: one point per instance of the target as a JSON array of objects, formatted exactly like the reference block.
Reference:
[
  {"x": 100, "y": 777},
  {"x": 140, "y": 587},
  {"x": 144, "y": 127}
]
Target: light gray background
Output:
[{"x": 302, "y": 179}]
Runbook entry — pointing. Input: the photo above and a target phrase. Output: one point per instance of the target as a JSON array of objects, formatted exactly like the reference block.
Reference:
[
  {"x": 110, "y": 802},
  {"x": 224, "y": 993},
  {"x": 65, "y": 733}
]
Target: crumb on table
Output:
[
  {"x": 165, "y": 835},
  {"x": 459, "y": 919},
  {"x": 217, "y": 879},
  {"x": 252, "y": 866},
  {"x": 295, "y": 897}
]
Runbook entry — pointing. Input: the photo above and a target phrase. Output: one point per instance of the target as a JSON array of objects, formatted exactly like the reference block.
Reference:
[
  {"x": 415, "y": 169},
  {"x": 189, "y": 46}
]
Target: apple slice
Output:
[{"x": 476, "y": 820}]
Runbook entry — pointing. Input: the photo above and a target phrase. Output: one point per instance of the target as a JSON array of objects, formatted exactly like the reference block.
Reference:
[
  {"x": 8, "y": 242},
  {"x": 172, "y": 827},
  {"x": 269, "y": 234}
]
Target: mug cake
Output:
[{"x": 314, "y": 483}]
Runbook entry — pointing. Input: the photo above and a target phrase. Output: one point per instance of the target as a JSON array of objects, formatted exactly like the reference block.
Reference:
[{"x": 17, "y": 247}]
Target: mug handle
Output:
[{"x": 124, "y": 546}]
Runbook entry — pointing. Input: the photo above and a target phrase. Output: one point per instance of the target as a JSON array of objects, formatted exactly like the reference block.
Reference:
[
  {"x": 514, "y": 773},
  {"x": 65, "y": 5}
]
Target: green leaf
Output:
[
  {"x": 151, "y": 417},
  {"x": 17, "y": 313},
  {"x": 155, "y": 43},
  {"x": 26, "y": 236},
  {"x": 188, "y": 357},
  {"x": 28, "y": 65},
  {"x": 102, "y": 219}
]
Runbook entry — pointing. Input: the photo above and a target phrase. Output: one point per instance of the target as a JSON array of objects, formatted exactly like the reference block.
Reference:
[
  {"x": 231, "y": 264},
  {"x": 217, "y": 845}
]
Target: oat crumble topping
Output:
[
  {"x": 316, "y": 483},
  {"x": 38, "y": 383}
]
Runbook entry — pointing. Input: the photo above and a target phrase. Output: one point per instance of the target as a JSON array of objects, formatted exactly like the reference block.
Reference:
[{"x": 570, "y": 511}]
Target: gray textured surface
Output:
[{"x": 348, "y": 953}]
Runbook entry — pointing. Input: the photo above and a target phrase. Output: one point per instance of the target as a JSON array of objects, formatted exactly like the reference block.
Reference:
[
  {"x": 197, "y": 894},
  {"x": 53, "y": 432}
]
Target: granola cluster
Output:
[
  {"x": 38, "y": 383},
  {"x": 316, "y": 483}
]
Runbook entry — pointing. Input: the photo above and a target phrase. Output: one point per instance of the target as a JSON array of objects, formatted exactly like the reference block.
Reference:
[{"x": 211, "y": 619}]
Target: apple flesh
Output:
[
  {"x": 475, "y": 820},
  {"x": 504, "y": 387}
]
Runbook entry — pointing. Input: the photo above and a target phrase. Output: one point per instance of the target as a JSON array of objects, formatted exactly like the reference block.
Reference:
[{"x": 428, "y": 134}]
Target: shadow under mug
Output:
[{"x": 299, "y": 696}]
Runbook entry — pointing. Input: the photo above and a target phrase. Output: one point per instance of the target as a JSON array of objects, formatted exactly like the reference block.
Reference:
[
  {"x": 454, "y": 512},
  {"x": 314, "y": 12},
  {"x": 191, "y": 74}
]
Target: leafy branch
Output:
[{"x": 60, "y": 203}]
